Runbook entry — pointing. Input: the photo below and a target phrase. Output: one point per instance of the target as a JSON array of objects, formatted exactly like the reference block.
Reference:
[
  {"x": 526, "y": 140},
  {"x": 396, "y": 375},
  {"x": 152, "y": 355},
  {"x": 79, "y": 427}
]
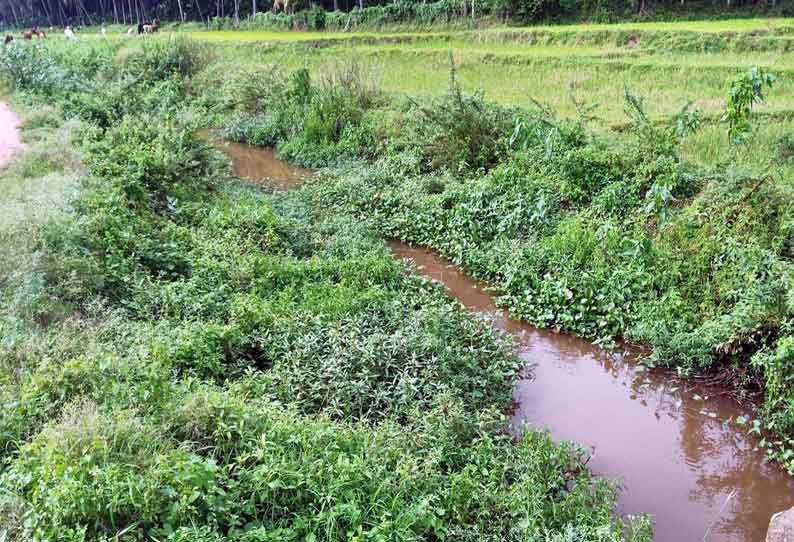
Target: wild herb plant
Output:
[
  {"x": 746, "y": 91},
  {"x": 460, "y": 132},
  {"x": 313, "y": 121}
]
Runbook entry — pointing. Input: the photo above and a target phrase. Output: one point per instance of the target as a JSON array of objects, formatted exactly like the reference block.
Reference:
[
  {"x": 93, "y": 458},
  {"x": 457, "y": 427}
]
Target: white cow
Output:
[{"x": 69, "y": 33}]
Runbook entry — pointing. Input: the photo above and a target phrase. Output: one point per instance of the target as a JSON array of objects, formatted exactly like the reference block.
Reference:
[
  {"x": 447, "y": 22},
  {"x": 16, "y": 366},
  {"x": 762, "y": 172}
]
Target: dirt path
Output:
[{"x": 10, "y": 141}]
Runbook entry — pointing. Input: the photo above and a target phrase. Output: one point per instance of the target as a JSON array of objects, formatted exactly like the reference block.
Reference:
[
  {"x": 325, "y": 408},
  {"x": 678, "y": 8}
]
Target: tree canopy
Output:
[{"x": 61, "y": 12}]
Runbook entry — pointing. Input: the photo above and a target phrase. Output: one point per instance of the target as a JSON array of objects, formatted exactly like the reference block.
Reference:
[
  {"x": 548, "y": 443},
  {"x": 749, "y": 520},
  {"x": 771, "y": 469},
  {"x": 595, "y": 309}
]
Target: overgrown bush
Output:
[
  {"x": 313, "y": 121},
  {"x": 160, "y": 59},
  {"x": 103, "y": 472},
  {"x": 32, "y": 68},
  {"x": 461, "y": 132},
  {"x": 746, "y": 91},
  {"x": 152, "y": 162}
]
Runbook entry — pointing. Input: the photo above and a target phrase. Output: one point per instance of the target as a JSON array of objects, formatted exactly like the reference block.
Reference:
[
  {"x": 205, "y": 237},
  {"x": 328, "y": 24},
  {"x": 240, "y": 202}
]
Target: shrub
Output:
[
  {"x": 461, "y": 132},
  {"x": 160, "y": 59},
  {"x": 314, "y": 122},
  {"x": 99, "y": 472},
  {"x": 260, "y": 129},
  {"x": 256, "y": 90},
  {"x": 152, "y": 163},
  {"x": 31, "y": 68},
  {"x": 659, "y": 140},
  {"x": 109, "y": 473}
]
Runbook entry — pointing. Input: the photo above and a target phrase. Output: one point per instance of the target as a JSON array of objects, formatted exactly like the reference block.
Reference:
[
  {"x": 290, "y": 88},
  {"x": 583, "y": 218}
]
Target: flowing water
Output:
[
  {"x": 9, "y": 133},
  {"x": 673, "y": 446},
  {"x": 668, "y": 442},
  {"x": 259, "y": 164}
]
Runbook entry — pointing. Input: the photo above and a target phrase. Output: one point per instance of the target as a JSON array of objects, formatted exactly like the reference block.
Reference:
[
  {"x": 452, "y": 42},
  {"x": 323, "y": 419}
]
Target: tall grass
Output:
[{"x": 511, "y": 73}]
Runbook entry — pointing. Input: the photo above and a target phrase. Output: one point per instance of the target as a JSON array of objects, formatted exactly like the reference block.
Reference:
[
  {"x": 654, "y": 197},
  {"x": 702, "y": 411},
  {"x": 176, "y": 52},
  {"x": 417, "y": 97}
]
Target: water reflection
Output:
[{"x": 671, "y": 445}]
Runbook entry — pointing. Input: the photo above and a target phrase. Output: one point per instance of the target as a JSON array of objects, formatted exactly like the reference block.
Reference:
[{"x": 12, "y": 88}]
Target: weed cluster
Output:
[
  {"x": 315, "y": 122},
  {"x": 104, "y": 83},
  {"x": 460, "y": 132},
  {"x": 343, "y": 116}
]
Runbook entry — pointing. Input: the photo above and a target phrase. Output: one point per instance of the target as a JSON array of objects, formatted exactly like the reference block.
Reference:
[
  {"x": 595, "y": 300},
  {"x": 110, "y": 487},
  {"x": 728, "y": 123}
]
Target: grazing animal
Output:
[
  {"x": 151, "y": 28},
  {"x": 69, "y": 33},
  {"x": 287, "y": 6},
  {"x": 131, "y": 31},
  {"x": 27, "y": 34},
  {"x": 104, "y": 31},
  {"x": 39, "y": 34},
  {"x": 9, "y": 39},
  {"x": 140, "y": 28}
]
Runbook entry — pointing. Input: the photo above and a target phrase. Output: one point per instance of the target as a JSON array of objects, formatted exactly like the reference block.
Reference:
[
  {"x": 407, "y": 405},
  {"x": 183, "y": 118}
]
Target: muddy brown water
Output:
[
  {"x": 673, "y": 446},
  {"x": 667, "y": 442},
  {"x": 259, "y": 164},
  {"x": 10, "y": 141}
]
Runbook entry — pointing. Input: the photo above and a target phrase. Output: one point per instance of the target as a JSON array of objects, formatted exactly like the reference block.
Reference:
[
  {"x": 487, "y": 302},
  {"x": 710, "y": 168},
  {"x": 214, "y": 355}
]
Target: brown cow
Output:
[
  {"x": 151, "y": 28},
  {"x": 27, "y": 34},
  {"x": 287, "y": 6}
]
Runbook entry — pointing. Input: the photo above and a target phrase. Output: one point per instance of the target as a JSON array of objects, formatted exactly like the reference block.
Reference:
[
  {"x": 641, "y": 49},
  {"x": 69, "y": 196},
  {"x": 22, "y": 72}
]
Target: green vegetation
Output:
[
  {"x": 558, "y": 67},
  {"x": 186, "y": 357},
  {"x": 746, "y": 91},
  {"x": 676, "y": 234},
  {"x": 347, "y": 14}
]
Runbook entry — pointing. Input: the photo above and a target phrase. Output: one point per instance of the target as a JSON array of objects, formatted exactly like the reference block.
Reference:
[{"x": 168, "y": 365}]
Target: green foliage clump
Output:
[
  {"x": 659, "y": 140},
  {"x": 96, "y": 471},
  {"x": 314, "y": 122},
  {"x": 459, "y": 131},
  {"x": 160, "y": 59},
  {"x": 746, "y": 91},
  {"x": 30, "y": 68},
  {"x": 153, "y": 163},
  {"x": 102, "y": 84},
  {"x": 776, "y": 365},
  {"x": 125, "y": 226}
]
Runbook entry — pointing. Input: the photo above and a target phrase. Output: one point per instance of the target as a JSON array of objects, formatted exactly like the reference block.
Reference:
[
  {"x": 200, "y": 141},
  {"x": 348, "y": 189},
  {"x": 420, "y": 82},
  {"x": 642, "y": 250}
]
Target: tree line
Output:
[{"x": 61, "y": 12}]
